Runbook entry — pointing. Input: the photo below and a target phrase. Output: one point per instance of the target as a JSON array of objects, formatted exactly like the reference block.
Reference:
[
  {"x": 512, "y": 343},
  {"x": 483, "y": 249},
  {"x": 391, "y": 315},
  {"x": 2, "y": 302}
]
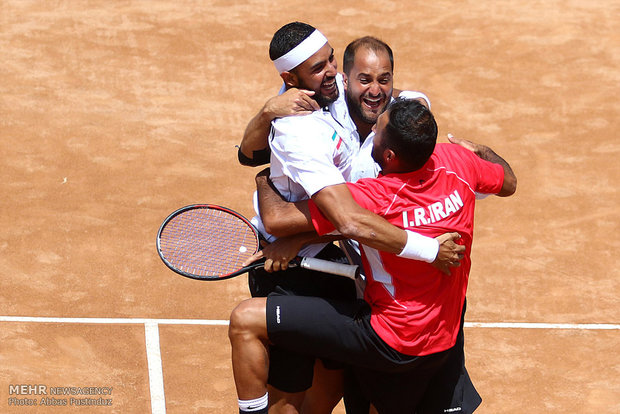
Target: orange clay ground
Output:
[{"x": 114, "y": 114}]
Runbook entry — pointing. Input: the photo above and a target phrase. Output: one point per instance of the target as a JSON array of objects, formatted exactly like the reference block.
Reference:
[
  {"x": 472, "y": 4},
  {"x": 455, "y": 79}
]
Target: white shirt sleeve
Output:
[{"x": 415, "y": 95}]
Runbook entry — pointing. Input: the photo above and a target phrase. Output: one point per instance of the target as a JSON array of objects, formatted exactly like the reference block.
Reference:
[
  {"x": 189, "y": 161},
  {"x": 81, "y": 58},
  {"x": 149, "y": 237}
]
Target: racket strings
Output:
[{"x": 207, "y": 242}]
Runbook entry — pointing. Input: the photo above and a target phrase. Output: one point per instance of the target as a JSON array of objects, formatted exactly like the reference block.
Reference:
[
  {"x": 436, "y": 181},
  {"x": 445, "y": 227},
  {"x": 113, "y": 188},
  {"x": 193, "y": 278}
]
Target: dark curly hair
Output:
[
  {"x": 287, "y": 37},
  {"x": 411, "y": 132}
]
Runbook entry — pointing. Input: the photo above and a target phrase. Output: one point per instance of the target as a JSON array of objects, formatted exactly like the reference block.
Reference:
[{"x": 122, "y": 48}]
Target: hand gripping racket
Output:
[{"x": 210, "y": 242}]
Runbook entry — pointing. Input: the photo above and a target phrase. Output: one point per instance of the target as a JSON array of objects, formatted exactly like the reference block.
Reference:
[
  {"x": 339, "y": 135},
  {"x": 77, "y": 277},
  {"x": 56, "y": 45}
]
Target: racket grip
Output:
[{"x": 312, "y": 263}]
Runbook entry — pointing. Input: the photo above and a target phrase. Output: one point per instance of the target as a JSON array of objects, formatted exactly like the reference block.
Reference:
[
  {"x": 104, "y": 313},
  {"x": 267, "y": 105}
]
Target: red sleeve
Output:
[
  {"x": 490, "y": 177},
  {"x": 319, "y": 221},
  {"x": 486, "y": 177}
]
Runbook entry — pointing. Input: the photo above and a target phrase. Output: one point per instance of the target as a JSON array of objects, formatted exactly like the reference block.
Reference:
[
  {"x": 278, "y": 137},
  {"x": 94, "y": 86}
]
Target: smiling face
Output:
[
  {"x": 369, "y": 85},
  {"x": 318, "y": 74}
]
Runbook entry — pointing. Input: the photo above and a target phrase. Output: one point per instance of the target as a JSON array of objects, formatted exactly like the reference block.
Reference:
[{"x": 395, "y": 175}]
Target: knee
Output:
[{"x": 248, "y": 319}]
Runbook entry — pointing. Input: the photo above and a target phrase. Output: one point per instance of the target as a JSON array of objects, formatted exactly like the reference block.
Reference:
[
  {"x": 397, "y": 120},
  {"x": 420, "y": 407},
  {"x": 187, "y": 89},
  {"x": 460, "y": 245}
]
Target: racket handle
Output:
[{"x": 312, "y": 263}]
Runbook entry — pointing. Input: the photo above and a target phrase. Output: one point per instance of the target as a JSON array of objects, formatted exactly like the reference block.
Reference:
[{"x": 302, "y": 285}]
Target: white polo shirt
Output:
[{"x": 311, "y": 152}]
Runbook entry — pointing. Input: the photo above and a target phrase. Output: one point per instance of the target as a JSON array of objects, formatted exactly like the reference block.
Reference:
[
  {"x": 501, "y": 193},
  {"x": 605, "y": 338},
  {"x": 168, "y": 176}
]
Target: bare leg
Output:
[
  {"x": 247, "y": 333},
  {"x": 326, "y": 390},
  {"x": 248, "y": 337}
]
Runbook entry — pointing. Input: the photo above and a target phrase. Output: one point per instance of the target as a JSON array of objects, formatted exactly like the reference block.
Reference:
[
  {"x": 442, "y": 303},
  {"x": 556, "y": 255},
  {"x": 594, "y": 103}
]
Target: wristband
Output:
[{"x": 420, "y": 247}]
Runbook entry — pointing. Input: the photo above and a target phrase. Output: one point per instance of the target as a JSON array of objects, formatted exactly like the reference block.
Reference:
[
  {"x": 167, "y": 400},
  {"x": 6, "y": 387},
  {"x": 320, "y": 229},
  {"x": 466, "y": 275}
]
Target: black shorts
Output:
[
  {"x": 446, "y": 393},
  {"x": 449, "y": 390},
  {"x": 394, "y": 382},
  {"x": 291, "y": 371},
  {"x": 335, "y": 330}
]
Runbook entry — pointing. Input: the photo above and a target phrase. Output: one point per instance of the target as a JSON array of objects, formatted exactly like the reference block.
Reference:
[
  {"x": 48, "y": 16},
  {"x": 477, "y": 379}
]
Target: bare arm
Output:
[
  {"x": 280, "y": 217},
  {"x": 510, "y": 180},
  {"x": 355, "y": 222},
  {"x": 292, "y": 102}
]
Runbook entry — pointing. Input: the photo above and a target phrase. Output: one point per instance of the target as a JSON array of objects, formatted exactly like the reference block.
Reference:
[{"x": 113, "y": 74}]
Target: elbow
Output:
[
  {"x": 278, "y": 225},
  {"x": 244, "y": 159},
  {"x": 355, "y": 223},
  {"x": 277, "y": 231},
  {"x": 509, "y": 187},
  {"x": 350, "y": 229},
  {"x": 272, "y": 225},
  {"x": 513, "y": 187}
]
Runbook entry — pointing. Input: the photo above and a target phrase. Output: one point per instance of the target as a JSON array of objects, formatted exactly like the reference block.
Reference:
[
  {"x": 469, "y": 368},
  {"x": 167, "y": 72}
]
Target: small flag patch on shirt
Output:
[{"x": 339, "y": 142}]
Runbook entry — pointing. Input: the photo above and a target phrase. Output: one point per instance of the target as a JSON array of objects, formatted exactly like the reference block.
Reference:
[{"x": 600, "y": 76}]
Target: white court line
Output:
[
  {"x": 526, "y": 325},
  {"x": 131, "y": 321},
  {"x": 216, "y": 322},
  {"x": 156, "y": 373}
]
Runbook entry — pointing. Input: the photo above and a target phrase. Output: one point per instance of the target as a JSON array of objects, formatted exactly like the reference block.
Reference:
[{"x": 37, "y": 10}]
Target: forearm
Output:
[
  {"x": 355, "y": 222},
  {"x": 256, "y": 135},
  {"x": 280, "y": 217},
  {"x": 373, "y": 231}
]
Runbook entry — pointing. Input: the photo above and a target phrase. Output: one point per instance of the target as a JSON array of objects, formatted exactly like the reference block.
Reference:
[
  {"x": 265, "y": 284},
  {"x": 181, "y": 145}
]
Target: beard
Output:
[
  {"x": 355, "y": 107},
  {"x": 322, "y": 99}
]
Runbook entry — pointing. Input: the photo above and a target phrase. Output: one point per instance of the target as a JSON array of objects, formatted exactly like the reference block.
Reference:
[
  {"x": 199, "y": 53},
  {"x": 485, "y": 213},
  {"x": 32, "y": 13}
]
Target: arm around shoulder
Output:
[
  {"x": 254, "y": 147},
  {"x": 509, "y": 186},
  {"x": 255, "y": 140}
]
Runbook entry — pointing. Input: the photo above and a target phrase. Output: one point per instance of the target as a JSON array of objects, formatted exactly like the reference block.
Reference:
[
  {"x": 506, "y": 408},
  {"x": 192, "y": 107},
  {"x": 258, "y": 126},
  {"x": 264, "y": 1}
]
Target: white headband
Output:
[{"x": 308, "y": 47}]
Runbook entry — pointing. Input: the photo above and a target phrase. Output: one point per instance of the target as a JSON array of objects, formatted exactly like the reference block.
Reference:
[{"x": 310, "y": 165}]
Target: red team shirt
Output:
[{"x": 416, "y": 309}]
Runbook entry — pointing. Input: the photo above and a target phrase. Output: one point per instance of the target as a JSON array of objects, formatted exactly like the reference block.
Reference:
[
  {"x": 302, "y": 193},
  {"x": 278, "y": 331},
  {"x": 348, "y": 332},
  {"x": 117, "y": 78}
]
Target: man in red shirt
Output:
[{"x": 401, "y": 337}]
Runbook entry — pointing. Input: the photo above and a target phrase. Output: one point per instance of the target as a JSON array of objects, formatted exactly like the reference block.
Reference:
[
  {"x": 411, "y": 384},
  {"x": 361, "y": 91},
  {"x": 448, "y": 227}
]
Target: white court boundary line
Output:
[
  {"x": 217, "y": 322},
  {"x": 156, "y": 372},
  {"x": 130, "y": 321},
  {"x": 153, "y": 350}
]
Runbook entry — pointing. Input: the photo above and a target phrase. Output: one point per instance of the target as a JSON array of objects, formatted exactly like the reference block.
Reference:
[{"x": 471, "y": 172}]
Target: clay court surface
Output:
[{"x": 115, "y": 113}]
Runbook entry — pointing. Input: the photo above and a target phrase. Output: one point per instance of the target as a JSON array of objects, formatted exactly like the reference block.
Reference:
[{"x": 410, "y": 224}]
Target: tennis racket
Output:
[{"x": 210, "y": 242}]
